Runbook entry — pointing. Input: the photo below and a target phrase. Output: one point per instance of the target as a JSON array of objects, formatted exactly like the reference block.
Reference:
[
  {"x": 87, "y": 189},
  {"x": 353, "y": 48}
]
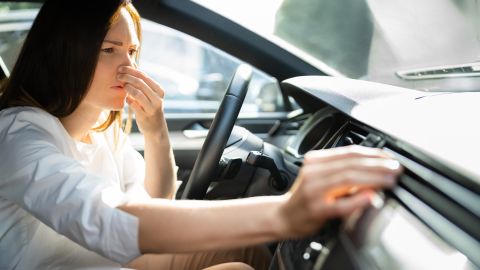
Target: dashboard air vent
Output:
[
  {"x": 350, "y": 135},
  {"x": 450, "y": 209}
]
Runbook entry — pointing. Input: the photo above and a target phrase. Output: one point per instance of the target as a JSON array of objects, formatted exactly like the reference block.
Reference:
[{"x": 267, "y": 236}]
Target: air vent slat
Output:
[
  {"x": 465, "y": 70},
  {"x": 447, "y": 230},
  {"x": 351, "y": 135},
  {"x": 463, "y": 196}
]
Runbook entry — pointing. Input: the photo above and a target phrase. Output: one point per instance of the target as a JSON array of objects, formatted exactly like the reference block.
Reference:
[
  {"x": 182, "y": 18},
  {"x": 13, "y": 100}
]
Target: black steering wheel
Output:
[{"x": 208, "y": 158}]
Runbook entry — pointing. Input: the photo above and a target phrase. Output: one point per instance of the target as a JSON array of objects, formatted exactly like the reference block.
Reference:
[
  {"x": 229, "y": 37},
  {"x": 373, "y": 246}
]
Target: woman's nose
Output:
[{"x": 128, "y": 60}]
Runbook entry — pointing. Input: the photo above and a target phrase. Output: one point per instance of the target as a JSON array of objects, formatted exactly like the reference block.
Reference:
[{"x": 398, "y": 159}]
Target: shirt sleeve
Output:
[{"x": 58, "y": 191}]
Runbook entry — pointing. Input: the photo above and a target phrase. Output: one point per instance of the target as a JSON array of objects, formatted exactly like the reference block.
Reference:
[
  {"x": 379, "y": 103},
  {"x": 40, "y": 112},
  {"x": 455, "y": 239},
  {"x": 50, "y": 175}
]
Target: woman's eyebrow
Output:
[{"x": 118, "y": 43}]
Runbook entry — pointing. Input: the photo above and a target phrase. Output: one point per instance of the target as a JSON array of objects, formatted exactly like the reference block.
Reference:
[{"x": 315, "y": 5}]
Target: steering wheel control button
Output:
[
  {"x": 260, "y": 160},
  {"x": 228, "y": 168},
  {"x": 312, "y": 251}
]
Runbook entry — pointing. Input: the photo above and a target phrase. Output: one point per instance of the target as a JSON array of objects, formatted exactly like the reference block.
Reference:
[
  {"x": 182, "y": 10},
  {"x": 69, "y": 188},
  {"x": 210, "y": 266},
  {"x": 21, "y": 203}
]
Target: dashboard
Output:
[{"x": 430, "y": 220}]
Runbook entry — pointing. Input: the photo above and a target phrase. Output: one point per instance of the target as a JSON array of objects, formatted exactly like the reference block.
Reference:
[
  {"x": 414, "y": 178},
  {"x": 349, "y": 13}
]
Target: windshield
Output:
[{"x": 431, "y": 45}]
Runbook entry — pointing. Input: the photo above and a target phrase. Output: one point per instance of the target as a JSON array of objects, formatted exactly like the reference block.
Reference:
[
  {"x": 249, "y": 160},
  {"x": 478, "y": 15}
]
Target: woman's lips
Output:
[{"x": 118, "y": 87}]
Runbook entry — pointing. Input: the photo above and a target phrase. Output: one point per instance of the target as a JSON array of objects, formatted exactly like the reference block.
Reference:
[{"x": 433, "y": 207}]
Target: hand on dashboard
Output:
[{"x": 334, "y": 183}]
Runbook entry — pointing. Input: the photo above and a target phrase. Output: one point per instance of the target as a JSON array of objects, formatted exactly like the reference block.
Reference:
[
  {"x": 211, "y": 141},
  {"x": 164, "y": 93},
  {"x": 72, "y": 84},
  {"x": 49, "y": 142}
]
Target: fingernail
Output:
[
  {"x": 122, "y": 69},
  {"x": 376, "y": 201},
  {"x": 392, "y": 164}
]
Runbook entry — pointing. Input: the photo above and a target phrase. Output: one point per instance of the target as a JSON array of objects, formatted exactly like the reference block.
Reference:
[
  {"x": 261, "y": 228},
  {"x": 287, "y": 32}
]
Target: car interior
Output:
[{"x": 429, "y": 220}]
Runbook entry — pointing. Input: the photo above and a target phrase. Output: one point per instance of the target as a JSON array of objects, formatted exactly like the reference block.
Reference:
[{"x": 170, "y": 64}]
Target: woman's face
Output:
[{"x": 119, "y": 48}]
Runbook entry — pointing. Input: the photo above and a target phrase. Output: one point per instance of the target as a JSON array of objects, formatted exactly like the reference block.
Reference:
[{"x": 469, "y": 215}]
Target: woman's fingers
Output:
[
  {"x": 347, "y": 205},
  {"x": 138, "y": 84},
  {"x": 350, "y": 182},
  {"x": 341, "y": 153},
  {"x": 335, "y": 183},
  {"x": 139, "y": 90},
  {"x": 359, "y": 171},
  {"x": 152, "y": 84},
  {"x": 362, "y": 163},
  {"x": 317, "y": 192},
  {"x": 337, "y": 177},
  {"x": 134, "y": 104},
  {"x": 145, "y": 97},
  {"x": 135, "y": 83},
  {"x": 139, "y": 97}
]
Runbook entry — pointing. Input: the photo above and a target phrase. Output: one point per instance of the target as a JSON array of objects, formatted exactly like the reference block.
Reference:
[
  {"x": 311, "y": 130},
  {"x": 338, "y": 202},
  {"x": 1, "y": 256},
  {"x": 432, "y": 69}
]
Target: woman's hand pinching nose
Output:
[{"x": 145, "y": 97}]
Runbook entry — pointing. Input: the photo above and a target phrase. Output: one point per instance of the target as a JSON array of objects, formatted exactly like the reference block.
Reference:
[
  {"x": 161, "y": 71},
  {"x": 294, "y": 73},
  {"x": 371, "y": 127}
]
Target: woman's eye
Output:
[
  {"x": 107, "y": 50},
  {"x": 132, "y": 51}
]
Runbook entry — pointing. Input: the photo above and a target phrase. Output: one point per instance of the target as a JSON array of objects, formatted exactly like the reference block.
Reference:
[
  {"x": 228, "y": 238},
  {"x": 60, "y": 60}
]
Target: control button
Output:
[
  {"x": 348, "y": 141},
  {"x": 373, "y": 140},
  {"x": 312, "y": 251}
]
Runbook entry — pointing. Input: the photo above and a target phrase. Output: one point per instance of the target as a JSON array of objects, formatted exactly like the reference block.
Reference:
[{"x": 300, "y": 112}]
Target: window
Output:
[
  {"x": 195, "y": 75},
  {"x": 15, "y": 21}
]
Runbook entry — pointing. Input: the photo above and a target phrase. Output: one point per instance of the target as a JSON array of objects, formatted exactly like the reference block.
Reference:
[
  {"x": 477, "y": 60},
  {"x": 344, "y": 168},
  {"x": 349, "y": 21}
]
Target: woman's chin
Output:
[{"x": 116, "y": 107}]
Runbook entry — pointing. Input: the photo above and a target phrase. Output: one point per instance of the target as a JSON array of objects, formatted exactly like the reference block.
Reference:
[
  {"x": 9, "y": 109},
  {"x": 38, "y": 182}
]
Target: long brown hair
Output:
[{"x": 56, "y": 64}]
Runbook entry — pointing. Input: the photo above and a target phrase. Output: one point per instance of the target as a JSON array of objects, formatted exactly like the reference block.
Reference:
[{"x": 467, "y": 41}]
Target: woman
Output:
[{"x": 74, "y": 193}]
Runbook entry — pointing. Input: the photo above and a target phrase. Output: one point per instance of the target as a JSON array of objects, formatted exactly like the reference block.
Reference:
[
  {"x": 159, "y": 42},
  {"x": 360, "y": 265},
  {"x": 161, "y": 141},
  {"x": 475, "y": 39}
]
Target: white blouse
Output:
[{"x": 58, "y": 197}]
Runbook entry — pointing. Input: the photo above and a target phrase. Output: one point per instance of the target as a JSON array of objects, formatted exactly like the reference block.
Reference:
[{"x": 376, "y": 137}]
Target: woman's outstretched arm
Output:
[
  {"x": 168, "y": 226},
  {"x": 332, "y": 183}
]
